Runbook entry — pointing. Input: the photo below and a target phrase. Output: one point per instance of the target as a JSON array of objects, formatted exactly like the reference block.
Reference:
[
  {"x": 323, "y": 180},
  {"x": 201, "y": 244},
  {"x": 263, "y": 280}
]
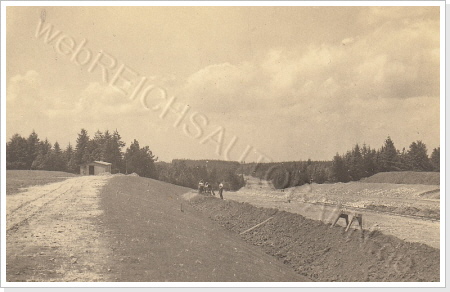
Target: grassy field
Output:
[{"x": 16, "y": 180}]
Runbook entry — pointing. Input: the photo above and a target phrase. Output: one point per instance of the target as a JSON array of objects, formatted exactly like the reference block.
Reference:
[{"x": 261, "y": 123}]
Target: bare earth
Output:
[
  {"x": 125, "y": 229},
  {"x": 43, "y": 224},
  {"x": 320, "y": 202},
  {"x": 132, "y": 229}
]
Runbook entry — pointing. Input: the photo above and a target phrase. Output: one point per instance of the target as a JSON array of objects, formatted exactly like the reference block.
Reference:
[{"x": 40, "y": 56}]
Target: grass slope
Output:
[
  {"x": 154, "y": 238},
  {"x": 405, "y": 177}
]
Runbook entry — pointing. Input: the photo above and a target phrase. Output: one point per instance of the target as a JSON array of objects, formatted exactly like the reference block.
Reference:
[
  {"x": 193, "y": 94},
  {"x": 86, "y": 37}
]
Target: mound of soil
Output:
[
  {"x": 155, "y": 236},
  {"x": 322, "y": 253},
  {"x": 434, "y": 194},
  {"x": 429, "y": 213},
  {"x": 405, "y": 177}
]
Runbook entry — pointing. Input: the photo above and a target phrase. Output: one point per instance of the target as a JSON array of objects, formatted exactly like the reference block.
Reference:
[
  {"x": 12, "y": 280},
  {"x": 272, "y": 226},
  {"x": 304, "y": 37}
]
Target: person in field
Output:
[
  {"x": 207, "y": 186},
  {"x": 210, "y": 189},
  {"x": 221, "y": 190},
  {"x": 201, "y": 187}
]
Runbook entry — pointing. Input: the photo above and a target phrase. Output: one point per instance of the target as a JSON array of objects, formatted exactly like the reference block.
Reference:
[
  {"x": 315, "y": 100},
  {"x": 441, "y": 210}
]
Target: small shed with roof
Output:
[{"x": 94, "y": 168}]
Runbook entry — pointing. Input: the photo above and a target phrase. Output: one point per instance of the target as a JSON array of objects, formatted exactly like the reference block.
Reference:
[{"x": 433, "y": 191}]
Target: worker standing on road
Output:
[
  {"x": 221, "y": 190},
  {"x": 207, "y": 188},
  {"x": 200, "y": 187}
]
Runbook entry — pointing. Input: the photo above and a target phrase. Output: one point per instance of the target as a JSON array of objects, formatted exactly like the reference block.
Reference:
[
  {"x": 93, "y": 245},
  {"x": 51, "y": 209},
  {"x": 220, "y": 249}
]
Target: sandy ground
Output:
[
  {"x": 261, "y": 194},
  {"x": 42, "y": 225},
  {"x": 125, "y": 229}
]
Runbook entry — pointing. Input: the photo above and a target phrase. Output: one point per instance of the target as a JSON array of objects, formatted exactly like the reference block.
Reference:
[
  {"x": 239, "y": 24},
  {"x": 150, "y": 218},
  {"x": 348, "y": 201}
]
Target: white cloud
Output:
[
  {"x": 365, "y": 83},
  {"x": 98, "y": 101},
  {"x": 27, "y": 98},
  {"x": 23, "y": 88},
  {"x": 393, "y": 61},
  {"x": 385, "y": 82}
]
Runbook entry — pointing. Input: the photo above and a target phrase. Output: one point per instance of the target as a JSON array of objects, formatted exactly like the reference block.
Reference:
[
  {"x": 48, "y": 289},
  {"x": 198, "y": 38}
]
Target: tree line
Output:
[
  {"x": 355, "y": 164},
  {"x": 32, "y": 153},
  {"x": 363, "y": 161},
  {"x": 188, "y": 173},
  {"x": 359, "y": 162}
]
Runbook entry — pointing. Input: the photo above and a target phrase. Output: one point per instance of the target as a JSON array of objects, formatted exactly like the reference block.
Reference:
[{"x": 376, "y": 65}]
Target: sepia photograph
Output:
[{"x": 222, "y": 144}]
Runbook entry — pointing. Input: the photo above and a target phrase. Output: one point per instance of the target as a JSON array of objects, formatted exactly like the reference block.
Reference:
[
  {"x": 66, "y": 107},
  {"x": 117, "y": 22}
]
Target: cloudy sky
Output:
[{"x": 289, "y": 83}]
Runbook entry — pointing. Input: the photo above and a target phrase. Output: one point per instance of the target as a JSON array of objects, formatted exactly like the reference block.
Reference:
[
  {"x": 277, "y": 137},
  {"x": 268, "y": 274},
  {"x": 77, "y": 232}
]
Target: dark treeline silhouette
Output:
[
  {"x": 188, "y": 173},
  {"x": 363, "y": 161},
  {"x": 357, "y": 163},
  {"x": 32, "y": 153}
]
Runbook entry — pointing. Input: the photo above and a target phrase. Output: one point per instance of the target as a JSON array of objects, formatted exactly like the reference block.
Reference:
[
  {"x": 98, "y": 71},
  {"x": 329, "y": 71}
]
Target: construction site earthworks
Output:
[{"x": 122, "y": 228}]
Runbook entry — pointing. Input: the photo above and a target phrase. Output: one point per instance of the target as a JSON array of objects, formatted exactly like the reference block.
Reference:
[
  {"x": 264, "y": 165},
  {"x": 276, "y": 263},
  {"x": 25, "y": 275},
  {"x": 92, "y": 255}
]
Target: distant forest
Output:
[
  {"x": 33, "y": 153},
  {"x": 355, "y": 164},
  {"x": 188, "y": 173},
  {"x": 359, "y": 162}
]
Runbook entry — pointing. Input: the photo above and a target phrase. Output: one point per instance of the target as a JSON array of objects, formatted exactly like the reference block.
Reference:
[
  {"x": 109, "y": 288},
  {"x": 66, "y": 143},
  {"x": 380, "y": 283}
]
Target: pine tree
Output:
[
  {"x": 403, "y": 159},
  {"x": 57, "y": 159},
  {"x": 388, "y": 157},
  {"x": 96, "y": 147},
  {"x": 369, "y": 157},
  {"x": 435, "y": 160},
  {"x": 69, "y": 158},
  {"x": 81, "y": 149},
  {"x": 33, "y": 148},
  {"x": 140, "y": 160},
  {"x": 43, "y": 159},
  {"x": 355, "y": 164},
  {"x": 113, "y": 151},
  {"x": 17, "y": 153},
  {"x": 417, "y": 157},
  {"x": 339, "y": 169}
]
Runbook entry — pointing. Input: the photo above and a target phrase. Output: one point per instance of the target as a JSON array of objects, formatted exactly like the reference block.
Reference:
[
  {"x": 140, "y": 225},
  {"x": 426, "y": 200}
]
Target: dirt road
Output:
[
  {"x": 408, "y": 229},
  {"x": 51, "y": 235},
  {"x": 405, "y": 228},
  {"x": 125, "y": 229}
]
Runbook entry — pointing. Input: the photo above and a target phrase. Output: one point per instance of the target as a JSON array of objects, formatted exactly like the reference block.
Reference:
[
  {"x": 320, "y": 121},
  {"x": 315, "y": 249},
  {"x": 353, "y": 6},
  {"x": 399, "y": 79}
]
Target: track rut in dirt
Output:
[{"x": 51, "y": 235}]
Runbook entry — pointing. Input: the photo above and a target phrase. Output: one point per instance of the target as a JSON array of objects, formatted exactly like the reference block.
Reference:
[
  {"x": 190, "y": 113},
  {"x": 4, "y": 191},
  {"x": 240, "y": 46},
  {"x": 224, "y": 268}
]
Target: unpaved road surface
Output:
[
  {"x": 50, "y": 233},
  {"x": 410, "y": 229},
  {"x": 125, "y": 229}
]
